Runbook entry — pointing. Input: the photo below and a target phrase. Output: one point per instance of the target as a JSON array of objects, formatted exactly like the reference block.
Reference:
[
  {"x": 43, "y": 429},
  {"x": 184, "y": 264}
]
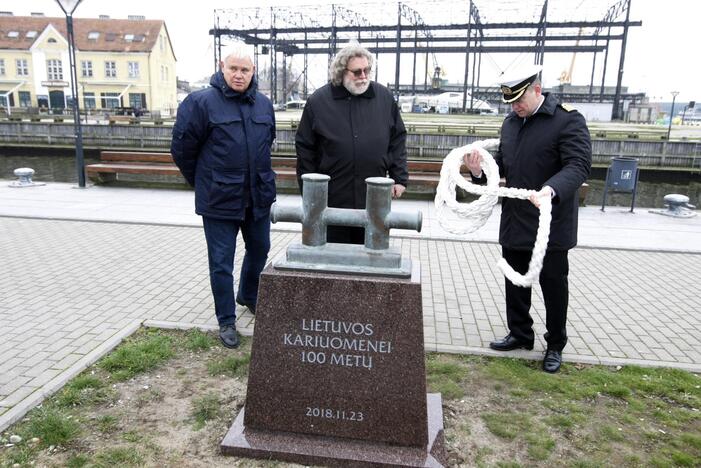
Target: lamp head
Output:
[{"x": 68, "y": 6}]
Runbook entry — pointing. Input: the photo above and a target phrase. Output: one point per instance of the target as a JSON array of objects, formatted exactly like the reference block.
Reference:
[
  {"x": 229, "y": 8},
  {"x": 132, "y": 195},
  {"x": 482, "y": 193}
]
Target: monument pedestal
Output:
[
  {"x": 336, "y": 451},
  {"x": 337, "y": 374}
]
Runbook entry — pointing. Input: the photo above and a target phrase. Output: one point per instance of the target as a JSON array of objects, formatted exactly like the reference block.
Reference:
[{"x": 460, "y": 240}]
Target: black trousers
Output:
[
  {"x": 345, "y": 235},
  {"x": 553, "y": 284}
]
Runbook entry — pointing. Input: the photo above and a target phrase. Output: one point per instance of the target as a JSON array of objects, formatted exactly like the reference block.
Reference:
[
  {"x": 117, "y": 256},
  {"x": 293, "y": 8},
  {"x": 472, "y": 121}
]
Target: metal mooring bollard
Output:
[
  {"x": 376, "y": 257},
  {"x": 25, "y": 178},
  {"x": 678, "y": 206}
]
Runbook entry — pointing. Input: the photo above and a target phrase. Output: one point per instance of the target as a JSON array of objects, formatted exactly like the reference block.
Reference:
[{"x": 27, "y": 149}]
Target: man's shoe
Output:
[
  {"x": 509, "y": 343},
  {"x": 228, "y": 336},
  {"x": 251, "y": 307},
  {"x": 552, "y": 361}
]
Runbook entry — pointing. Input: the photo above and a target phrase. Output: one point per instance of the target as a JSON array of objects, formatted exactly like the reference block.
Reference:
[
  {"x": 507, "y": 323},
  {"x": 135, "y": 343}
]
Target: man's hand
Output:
[
  {"x": 546, "y": 191},
  {"x": 472, "y": 161},
  {"x": 397, "y": 190}
]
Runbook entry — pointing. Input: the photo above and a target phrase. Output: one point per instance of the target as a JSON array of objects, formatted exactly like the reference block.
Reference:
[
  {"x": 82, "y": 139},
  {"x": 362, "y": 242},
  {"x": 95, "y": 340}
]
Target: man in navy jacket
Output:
[
  {"x": 544, "y": 146},
  {"x": 221, "y": 144}
]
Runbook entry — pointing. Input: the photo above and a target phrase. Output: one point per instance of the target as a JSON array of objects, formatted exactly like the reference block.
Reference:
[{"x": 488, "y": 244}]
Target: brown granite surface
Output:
[
  {"x": 339, "y": 356},
  {"x": 336, "y": 451}
]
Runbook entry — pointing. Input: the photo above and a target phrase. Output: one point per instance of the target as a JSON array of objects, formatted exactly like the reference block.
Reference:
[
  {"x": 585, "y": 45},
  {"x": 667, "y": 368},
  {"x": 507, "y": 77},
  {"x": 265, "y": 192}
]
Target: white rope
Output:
[{"x": 462, "y": 218}]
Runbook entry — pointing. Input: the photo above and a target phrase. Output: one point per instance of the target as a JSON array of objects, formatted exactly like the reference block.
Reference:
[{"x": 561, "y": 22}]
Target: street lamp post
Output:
[
  {"x": 68, "y": 7},
  {"x": 671, "y": 113}
]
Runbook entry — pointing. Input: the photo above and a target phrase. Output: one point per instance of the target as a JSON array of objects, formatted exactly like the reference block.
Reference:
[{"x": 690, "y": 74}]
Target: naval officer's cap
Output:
[{"x": 515, "y": 83}]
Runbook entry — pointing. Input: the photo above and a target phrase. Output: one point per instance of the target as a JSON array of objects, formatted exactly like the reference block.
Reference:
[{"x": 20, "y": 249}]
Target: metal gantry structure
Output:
[{"x": 528, "y": 29}]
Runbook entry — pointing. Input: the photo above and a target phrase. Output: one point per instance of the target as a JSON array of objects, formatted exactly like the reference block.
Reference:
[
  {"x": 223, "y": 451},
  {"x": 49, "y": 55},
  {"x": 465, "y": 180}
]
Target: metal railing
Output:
[{"x": 420, "y": 144}]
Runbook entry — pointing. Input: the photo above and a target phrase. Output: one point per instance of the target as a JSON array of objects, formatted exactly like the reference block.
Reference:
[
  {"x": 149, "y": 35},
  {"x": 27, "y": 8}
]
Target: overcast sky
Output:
[{"x": 661, "y": 56}]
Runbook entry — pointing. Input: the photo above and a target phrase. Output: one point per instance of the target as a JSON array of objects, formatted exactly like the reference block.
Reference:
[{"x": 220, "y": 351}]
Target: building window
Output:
[
  {"x": 133, "y": 69},
  {"x": 137, "y": 100},
  {"x": 89, "y": 100},
  {"x": 22, "y": 67},
  {"x": 93, "y": 35},
  {"x": 128, "y": 37},
  {"x": 25, "y": 99},
  {"x": 110, "y": 100},
  {"x": 110, "y": 70},
  {"x": 86, "y": 67},
  {"x": 31, "y": 34},
  {"x": 13, "y": 34},
  {"x": 3, "y": 99},
  {"x": 51, "y": 40},
  {"x": 163, "y": 45},
  {"x": 54, "y": 69},
  {"x": 2, "y": 67},
  {"x": 166, "y": 73}
]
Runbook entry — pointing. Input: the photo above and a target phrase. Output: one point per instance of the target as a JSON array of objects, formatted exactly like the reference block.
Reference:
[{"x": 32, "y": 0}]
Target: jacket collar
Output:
[
  {"x": 217, "y": 81},
  {"x": 549, "y": 104},
  {"x": 548, "y": 107},
  {"x": 340, "y": 92}
]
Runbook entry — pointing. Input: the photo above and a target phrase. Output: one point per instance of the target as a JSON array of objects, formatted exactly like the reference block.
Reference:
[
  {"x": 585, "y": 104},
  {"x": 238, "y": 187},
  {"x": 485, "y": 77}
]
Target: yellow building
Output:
[{"x": 120, "y": 63}]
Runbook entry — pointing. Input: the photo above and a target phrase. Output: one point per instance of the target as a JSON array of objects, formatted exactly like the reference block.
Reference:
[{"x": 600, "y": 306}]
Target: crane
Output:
[{"x": 566, "y": 75}]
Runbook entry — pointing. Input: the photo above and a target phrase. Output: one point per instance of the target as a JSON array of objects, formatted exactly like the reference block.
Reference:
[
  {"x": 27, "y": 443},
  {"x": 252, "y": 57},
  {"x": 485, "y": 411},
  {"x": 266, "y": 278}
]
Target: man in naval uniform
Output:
[{"x": 544, "y": 146}]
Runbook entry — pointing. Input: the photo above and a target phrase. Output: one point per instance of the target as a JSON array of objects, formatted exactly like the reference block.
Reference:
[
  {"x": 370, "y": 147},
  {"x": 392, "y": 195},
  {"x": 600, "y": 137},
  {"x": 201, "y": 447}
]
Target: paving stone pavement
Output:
[{"x": 70, "y": 291}]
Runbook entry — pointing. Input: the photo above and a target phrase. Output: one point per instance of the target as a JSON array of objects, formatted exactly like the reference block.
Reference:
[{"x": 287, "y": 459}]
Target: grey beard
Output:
[{"x": 354, "y": 90}]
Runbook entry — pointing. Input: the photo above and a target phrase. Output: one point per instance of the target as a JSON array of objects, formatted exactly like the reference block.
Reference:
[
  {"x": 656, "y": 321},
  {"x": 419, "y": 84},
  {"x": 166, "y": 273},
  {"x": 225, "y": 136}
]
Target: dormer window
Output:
[
  {"x": 129, "y": 37},
  {"x": 139, "y": 38},
  {"x": 109, "y": 37},
  {"x": 31, "y": 34},
  {"x": 93, "y": 35},
  {"x": 51, "y": 40},
  {"x": 13, "y": 34}
]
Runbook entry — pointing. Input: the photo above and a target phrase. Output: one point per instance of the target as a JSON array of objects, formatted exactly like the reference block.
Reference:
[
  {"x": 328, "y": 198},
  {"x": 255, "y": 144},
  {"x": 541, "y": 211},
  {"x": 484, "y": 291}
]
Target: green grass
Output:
[
  {"x": 133, "y": 436},
  {"x": 444, "y": 377},
  {"x": 205, "y": 409},
  {"x": 84, "y": 390},
  {"x": 507, "y": 425},
  {"x": 107, "y": 423},
  {"x": 232, "y": 366},
  {"x": 197, "y": 340},
  {"x": 118, "y": 457},
  {"x": 138, "y": 354},
  {"x": 52, "y": 427},
  {"x": 77, "y": 461},
  {"x": 540, "y": 445},
  {"x": 585, "y": 416}
]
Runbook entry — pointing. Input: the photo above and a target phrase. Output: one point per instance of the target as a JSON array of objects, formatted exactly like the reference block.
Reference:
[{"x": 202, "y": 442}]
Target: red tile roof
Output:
[{"x": 114, "y": 29}]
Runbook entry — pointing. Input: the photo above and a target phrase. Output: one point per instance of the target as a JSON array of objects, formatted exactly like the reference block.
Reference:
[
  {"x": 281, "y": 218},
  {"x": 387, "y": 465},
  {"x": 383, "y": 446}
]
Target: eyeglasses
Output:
[{"x": 360, "y": 72}]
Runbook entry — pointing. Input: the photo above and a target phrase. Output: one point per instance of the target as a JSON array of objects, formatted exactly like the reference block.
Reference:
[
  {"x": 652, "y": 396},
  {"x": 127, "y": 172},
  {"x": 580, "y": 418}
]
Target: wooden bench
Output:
[
  {"x": 123, "y": 162},
  {"x": 130, "y": 119}
]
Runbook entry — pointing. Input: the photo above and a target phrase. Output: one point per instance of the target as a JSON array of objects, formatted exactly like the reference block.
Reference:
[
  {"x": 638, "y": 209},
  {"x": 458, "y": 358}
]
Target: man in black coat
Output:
[
  {"x": 544, "y": 146},
  {"x": 350, "y": 130}
]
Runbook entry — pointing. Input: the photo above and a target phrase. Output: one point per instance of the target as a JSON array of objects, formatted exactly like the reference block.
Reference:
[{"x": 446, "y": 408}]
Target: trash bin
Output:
[
  {"x": 621, "y": 176},
  {"x": 623, "y": 172}
]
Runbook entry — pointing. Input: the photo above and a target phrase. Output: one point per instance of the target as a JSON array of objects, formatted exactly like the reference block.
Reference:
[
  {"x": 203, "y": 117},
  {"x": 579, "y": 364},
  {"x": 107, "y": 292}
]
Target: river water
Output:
[{"x": 652, "y": 187}]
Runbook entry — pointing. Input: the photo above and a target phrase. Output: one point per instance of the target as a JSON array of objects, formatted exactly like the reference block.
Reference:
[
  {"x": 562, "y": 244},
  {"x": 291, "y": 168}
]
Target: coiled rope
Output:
[{"x": 463, "y": 218}]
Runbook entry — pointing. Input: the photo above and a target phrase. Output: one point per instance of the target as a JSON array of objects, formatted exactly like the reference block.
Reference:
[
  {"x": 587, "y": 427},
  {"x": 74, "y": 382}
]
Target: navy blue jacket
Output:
[
  {"x": 551, "y": 148},
  {"x": 221, "y": 144}
]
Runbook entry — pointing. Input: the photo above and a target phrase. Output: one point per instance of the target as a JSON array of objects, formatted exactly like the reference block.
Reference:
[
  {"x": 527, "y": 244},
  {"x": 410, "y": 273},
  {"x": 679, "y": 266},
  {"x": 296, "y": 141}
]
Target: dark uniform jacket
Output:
[
  {"x": 552, "y": 148},
  {"x": 221, "y": 144},
  {"x": 351, "y": 138}
]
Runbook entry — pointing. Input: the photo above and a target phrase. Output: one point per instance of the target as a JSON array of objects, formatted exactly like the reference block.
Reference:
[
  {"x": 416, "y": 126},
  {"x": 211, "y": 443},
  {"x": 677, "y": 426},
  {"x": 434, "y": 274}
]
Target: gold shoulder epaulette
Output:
[{"x": 567, "y": 107}]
